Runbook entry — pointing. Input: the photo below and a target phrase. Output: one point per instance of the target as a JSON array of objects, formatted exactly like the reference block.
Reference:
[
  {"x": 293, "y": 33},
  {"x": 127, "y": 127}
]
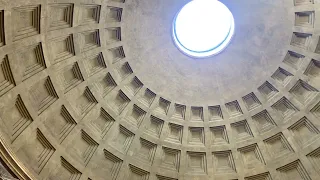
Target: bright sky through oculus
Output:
[{"x": 203, "y": 28}]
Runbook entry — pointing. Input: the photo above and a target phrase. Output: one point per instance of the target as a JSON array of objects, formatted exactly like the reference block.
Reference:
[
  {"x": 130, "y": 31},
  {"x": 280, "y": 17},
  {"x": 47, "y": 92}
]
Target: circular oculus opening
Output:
[{"x": 203, "y": 28}]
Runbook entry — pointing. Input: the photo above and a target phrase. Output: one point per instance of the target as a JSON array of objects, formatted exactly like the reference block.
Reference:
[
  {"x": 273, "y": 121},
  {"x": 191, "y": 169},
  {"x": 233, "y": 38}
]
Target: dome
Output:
[{"x": 102, "y": 90}]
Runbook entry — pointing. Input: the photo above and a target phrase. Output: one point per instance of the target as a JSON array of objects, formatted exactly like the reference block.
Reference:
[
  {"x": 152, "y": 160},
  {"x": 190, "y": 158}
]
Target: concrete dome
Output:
[{"x": 97, "y": 89}]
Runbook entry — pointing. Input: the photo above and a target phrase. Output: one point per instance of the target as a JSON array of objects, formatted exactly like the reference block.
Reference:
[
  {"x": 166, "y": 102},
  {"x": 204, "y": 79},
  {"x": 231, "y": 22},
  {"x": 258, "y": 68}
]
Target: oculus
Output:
[{"x": 203, "y": 28}]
